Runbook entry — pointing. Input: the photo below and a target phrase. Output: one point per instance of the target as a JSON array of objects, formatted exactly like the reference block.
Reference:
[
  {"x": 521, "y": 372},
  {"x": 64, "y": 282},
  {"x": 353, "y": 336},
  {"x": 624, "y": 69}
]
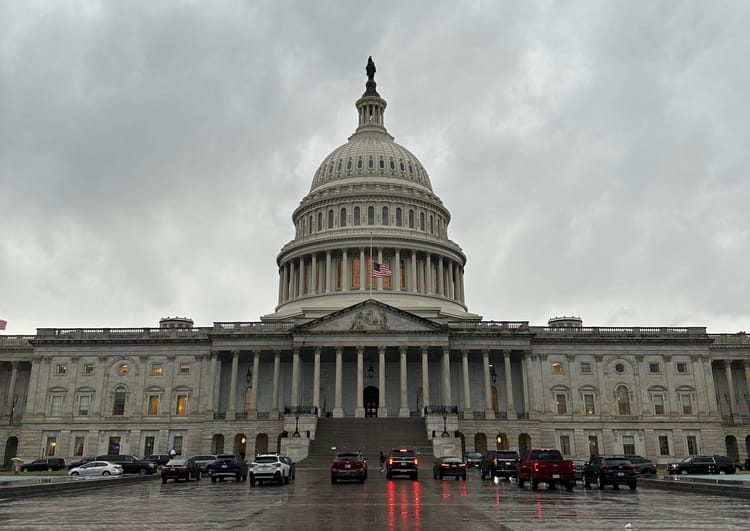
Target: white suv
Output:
[{"x": 268, "y": 467}]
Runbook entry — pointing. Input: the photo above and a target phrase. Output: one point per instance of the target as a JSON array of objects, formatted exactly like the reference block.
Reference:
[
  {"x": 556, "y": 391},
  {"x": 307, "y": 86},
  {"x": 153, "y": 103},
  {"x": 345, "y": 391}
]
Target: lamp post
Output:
[
  {"x": 296, "y": 426},
  {"x": 445, "y": 426}
]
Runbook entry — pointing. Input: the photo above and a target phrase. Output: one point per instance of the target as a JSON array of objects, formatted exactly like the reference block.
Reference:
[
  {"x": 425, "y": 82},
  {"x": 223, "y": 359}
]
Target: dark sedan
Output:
[
  {"x": 473, "y": 459},
  {"x": 178, "y": 469},
  {"x": 703, "y": 464},
  {"x": 449, "y": 466},
  {"x": 81, "y": 461},
  {"x": 606, "y": 470}
]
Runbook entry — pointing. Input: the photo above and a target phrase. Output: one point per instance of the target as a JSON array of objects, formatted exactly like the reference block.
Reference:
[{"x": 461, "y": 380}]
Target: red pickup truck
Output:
[{"x": 545, "y": 465}]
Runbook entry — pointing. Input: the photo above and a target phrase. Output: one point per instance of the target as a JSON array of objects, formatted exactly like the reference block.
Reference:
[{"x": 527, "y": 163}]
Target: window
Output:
[
  {"x": 356, "y": 215},
  {"x": 622, "y": 397},
  {"x": 619, "y": 368},
  {"x": 84, "y": 404},
  {"x": 628, "y": 444},
  {"x": 51, "y": 447},
  {"x": 385, "y": 217},
  {"x": 399, "y": 220},
  {"x": 588, "y": 404},
  {"x": 61, "y": 369},
  {"x": 593, "y": 445},
  {"x": 653, "y": 368},
  {"x": 565, "y": 444},
  {"x": 113, "y": 446},
  {"x": 371, "y": 215},
  {"x": 177, "y": 444},
  {"x": 663, "y": 445},
  {"x": 421, "y": 221},
  {"x": 148, "y": 445},
  {"x": 692, "y": 445},
  {"x": 561, "y": 404},
  {"x": 123, "y": 369},
  {"x": 682, "y": 367},
  {"x": 56, "y": 402},
  {"x": 686, "y": 399},
  {"x": 320, "y": 221},
  {"x": 153, "y": 405},
  {"x": 411, "y": 219},
  {"x": 157, "y": 369},
  {"x": 558, "y": 367},
  {"x": 181, "y": 409},
  {"x": 184, "y": 369},
  {"x": 585, "y": 367},
  {"x": 342, "y": 218},
  {"x": 118, "y": 403},
  {"x": 88, "y": 368},
  {"x": 330, "y": 219},
  {"x": 658, "y": 405},
  {"x": 78, "y": 446}
]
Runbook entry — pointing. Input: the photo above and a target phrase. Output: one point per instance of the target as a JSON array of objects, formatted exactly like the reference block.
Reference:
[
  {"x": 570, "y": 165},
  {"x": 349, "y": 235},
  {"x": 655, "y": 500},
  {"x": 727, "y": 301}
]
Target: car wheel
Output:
[
  {"x": 106, "y": 473},
  {"x": 570, "y": 485},
  {"x": 213, "y": 479},
  {"x": 333, "y": 480},
  {"x": 463, "y": 477},
  {"x": 416, "y": 476},
  {"x": 440, "y": 476},
  {"x": 484, "y": 476},
  {"x": 252, "y": 481},
  {"x": 362, "y": 479},
  {"x": 72, "y": 473},
  {"x": 388, "y": 475},
  {"x": 601, "y": 483},
  {"x": 238, "y": 477},
  {"x": 633, "y": 485},
  {"x": 521, "y": 482},
  {"x": 142, "y": 472},
  {"x": 286, "y": 480},
  {"x": 684, "y": 472},
  {"x": 163, "y": 479}
]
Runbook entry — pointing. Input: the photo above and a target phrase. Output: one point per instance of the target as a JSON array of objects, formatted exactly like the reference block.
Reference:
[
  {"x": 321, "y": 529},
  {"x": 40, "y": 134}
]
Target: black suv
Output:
[
  {"x": 499, "y": 463},
  {"x": 643, "y": 466},
  {"x": 609, "y": 470},
  {"x": 228, "y": 466},
  {"x": 130, "y": 464},
  {"x": 703, "y": 464},
  {"x": 402, "y": 461},
  {"x": 47, "y": 463}
]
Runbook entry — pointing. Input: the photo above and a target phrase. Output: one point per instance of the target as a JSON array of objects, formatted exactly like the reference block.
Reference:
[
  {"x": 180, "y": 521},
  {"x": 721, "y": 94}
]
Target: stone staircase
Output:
[{"x": 367, "y": 435}]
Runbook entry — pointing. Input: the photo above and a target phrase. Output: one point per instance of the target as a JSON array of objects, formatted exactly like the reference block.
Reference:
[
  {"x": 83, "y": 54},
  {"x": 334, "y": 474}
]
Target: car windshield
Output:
[
  {"x": 615, "y": 461},
  {"x": 546, "y": 455},
  {"x": 473, "y": 455},
  {"x": 507, "y": 455},
  {"x": 266, "y": 459},
  {"x": 451, "y": 460},
  {"x": 205, "y": 457},
  {"x": 177, "y": 462},
  {"x": 348, "y": 456},
  {"x": 403, "y": 453}
]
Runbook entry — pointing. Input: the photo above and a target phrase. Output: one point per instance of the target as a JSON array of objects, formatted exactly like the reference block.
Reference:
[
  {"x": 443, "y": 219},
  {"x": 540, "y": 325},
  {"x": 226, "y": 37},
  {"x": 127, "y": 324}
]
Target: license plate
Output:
[
  {"x": 621, "y": 473},
  {"x": 223, "y": 466},
  {"x": 555, "y": 476},
  {"x": 347, "y": 466}
]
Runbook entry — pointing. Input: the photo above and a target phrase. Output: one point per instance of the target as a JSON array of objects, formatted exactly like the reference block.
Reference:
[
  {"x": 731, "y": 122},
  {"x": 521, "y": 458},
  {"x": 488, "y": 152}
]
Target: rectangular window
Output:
[
  {"x": 560, "y": 402},
  {"x": 184, "y": 368},
  {"x": 118, "y": 404},
  {"x": 84, "y": 403},
  {"x": 181, "y": 410},
  {"x": 663, "y": 445},
  {"x": 658, "y": 405},
  {"x": 565, "y": 444},
  {"x": 157, "y": 369},
  {"x": 687, "y": 404},
  {"x": 113, "y": 447},
  {"x": 653, "y": 368},
  {"x": 56, "y": 405},
  {"x": 628, "y": 445},
  {"x": 177, "y": 444},
  {"x": 153, "y": 405},
  {"x": 682, "y": 367},
  {"x": 585, "y": 367},
  {"x": 78, "y": 446},
  {"x": 148, "y": 445},
  {"x": 61, "y": 369},
  {"x": 692, "y": 445},
  {"x": 588, "y": 404},
  {"x": 88, "y": 368},
  {"x": 593, "y": 445},
  {"x": 51, "y": 446},
  {"x": 558, "y": 367}
]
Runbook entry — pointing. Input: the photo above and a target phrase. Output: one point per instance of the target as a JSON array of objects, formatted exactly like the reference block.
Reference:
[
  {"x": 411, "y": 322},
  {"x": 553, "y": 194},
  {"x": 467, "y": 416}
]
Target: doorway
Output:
[{"x": 371, "y": 398}]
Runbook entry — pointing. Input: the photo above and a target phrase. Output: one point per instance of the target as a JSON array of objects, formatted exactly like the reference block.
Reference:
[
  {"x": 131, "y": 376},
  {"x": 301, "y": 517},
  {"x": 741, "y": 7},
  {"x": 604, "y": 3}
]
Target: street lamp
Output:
[
  {"x": 445, "y": 426},
  {"x": 296, "y": 426}
]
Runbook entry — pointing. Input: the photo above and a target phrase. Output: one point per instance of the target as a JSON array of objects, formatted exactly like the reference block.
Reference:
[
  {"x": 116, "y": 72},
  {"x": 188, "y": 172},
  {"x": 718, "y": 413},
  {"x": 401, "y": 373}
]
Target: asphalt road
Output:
[{"x": 312, "y": 502}]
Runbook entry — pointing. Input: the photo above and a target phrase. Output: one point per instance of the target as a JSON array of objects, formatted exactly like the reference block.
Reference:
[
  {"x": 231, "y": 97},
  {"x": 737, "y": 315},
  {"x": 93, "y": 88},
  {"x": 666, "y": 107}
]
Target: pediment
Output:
[{"x": 370, "y": 316}]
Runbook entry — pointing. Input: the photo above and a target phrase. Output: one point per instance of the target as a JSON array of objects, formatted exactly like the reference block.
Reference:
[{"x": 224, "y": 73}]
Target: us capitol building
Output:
[{"x": 372, "y": 321}]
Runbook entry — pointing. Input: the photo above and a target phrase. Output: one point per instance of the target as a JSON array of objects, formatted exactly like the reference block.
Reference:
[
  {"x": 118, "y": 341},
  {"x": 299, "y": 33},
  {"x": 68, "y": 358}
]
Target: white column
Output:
[
  {"x": 275, "y": 391},
  {"x": 382, "y": 406},
  {"x": 254, "y": 393},
  {"x": 281, "y": 285},
  {"x": 12, "y": 390},
  {"x": 489, "y": 409},
  {"x": 379, "y": 280},
  {"x": 425, "y": 379},
  {"x": 428, "y": 274},
  {"x": 301, "y": 287},
  {"x": 345, "y": 270},
  {"x": 730, "y": 385},
  {"x": 447, "y": 377},
  {"x": 467, "y": 390},
  {"x": 314, "y": 275},
  {"x": 396, "y": 281},
  {"x": 328, "y": 272},
  {"x": 338, "y": 411},
  {"x": 232, "y": 407},
  {"x": 214, "y": 400},
  {"x": 359, "y": 411},
  {"x": 404, "y": 409},
  {"x": 525, "y": 373},
  {"x": 441, "y": 286},
  {"x": 363, "y": 270},
  {"x": 294, "y": 399},
  {"x": 414, "y": 271},
  {"x": 451, "y": 287},
  {"x": 292, "y": 281},
  {"x": 509, "y": 386},
  {"x": 316, "y": 380}
]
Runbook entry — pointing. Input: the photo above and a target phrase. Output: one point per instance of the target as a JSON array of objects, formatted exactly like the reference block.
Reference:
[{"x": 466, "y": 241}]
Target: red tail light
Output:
[
  {"x": 390, "y": 460},
  {"x": 536, "y": 466},
  {"x": 416, "y": 461}
]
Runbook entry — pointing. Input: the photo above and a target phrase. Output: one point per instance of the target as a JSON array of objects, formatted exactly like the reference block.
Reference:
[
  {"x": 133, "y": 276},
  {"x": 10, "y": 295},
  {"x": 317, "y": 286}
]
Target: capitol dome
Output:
[{"x": 371, "y": 227}]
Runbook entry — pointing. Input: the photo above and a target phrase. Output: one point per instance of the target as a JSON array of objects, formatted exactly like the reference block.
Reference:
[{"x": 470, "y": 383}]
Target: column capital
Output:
[
  {"x": 381, "y": 349},
  {"x": 403, "y": 350},
  {"x": 506, "y": 353}
]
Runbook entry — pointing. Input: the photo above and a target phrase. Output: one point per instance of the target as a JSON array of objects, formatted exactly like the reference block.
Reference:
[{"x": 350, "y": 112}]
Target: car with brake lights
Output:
[
  {"x": 180, "y": 468},
  {"x": 612, "y": 470},
  {"x": 228, "y": 466},
  {"x": 449, "y": 466},
  {"x": 348, "y": 465},
  {"x": 402, "y": 462}
]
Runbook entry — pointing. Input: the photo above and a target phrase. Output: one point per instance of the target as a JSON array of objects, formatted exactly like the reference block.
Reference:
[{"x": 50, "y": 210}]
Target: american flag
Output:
[
  {"x": 2, "y": 324},
  {"x": 381, "y": 270}
]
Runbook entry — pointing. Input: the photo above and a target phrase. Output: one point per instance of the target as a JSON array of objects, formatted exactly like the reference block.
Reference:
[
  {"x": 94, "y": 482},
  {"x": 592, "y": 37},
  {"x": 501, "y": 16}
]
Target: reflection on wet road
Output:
[{"x": 312, "y": 502}]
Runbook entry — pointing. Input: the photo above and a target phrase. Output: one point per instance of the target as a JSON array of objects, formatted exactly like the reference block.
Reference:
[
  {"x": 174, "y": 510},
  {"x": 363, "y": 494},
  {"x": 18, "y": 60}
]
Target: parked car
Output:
[
  {"x": 609, "y": 470},
  {"x": 473, "y": 459},
  {"x": 402, "y": 461},
  {"x": 96, "y": 468},
  {"x": 48, "y": 463},
  {"x": 130, "y": 464},
  {"x": 747, "y": 464},
  {"x": 268, "y": 467},
  {"x": 643, "y": 466},
  {"x": 204, "y": 462},
  {"x": 293, "y": 467},
  {"x": 580, "y": 465},
  {"x": 159, "y": 459},
  {"x": 703, "y": 464},
  {"x": 180, "y": 468},
  {"x": 499, "y": 463},
  {"x": 449, "y": 466},
  {"x": 349, "y": 465},
  {"x": 229, "y": 466},
  {"x": 546, "y": 465},
  {"x": 81, "y": 461}
]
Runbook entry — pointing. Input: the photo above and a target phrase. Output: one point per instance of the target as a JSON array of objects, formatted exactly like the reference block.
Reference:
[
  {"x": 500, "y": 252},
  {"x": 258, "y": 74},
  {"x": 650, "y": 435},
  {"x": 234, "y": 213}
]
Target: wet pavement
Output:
[{"x": 312, "y": 502}]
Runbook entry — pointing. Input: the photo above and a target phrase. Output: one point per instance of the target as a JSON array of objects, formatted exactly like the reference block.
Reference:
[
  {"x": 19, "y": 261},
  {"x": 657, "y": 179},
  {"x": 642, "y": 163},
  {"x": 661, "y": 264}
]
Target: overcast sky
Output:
[{"x": 594, "y": 155}]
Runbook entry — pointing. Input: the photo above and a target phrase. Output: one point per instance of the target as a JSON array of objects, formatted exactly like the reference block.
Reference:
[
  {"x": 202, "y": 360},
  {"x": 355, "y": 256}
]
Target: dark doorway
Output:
[
  {"x": 371, "y": 397},
  {"x": 11, "y": 447}
]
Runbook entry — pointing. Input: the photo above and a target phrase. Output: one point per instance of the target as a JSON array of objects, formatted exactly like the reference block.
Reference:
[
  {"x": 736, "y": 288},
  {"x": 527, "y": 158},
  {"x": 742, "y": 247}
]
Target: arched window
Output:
[
  {"x": 310, "y": 223},
  {"x": 342, "y": 218},
  {"x": 348, "y": 164},
  {"x": 320, "y": 221},
  {"x": 356, "y": 215},
  {"x": 370, "y": 215},
  {"x": 399, "y": 221},
  {"x": 411, "y": 219},
  {"x": 385, "y": 216},
  {"x": 432, "y": 225},
  {"x": 118, "y": 401},
  {"x": 421, "y": 221},
  {"x": 359, "y": 163},
  {"x": 382, "y": 163},
  {"x": 370, "y": 163},
  {"x": 622, "y": 396},
  {"x": 330, "y": 219}
]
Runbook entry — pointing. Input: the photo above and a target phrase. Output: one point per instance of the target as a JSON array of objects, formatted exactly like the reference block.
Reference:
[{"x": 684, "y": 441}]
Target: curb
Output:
[
  {"x": 719, "y": 487},
  {"x": 44, "y": 486}
]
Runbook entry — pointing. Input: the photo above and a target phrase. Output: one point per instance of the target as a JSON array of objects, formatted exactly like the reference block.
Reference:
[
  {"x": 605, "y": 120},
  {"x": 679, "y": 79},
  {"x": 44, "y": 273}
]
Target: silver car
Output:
[{"x": 97, "y": 468}]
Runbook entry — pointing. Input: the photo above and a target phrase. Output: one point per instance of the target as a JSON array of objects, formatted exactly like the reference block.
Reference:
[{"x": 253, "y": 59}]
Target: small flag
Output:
[
  {"x": 380, "y": 270},
  {"x": 3, "y": 324}
]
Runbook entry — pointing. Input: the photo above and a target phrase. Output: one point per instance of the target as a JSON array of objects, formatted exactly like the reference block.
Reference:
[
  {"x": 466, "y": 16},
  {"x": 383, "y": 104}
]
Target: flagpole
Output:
[{"x": 370, "y": 265}]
